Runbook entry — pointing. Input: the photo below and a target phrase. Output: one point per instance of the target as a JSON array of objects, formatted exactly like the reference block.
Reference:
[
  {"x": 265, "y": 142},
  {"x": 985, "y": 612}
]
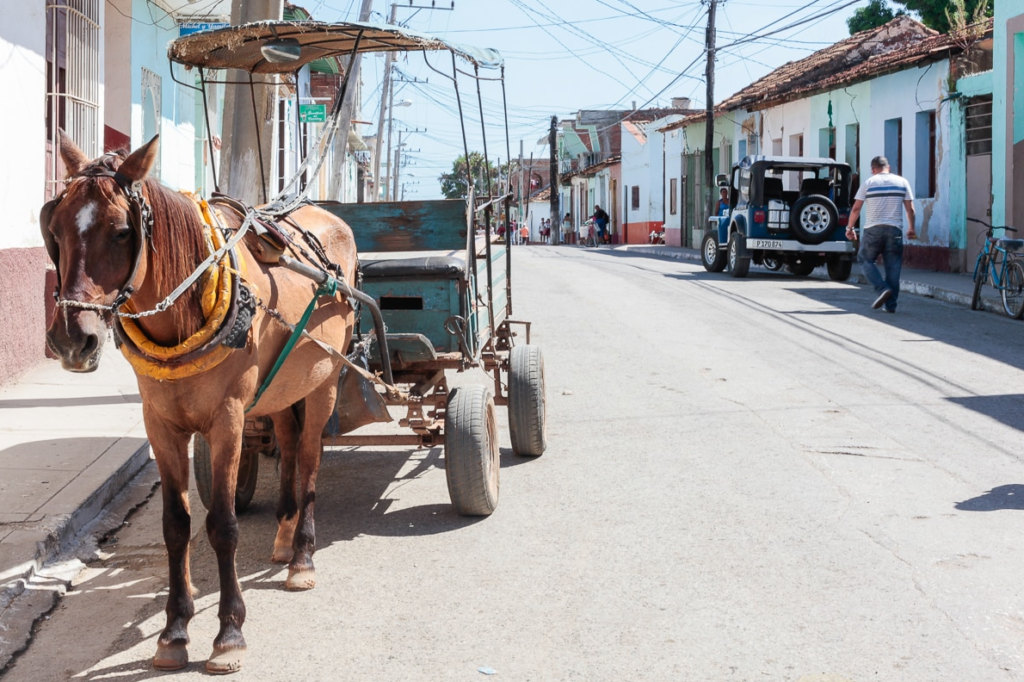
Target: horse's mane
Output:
[{"x": 178, "y": 244}]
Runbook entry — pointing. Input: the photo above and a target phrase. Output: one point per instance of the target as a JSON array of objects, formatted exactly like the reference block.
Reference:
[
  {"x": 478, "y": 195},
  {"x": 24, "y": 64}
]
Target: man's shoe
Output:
[
  {"x": 882, "y": 298},
  {"x": 889, "y": 310}
]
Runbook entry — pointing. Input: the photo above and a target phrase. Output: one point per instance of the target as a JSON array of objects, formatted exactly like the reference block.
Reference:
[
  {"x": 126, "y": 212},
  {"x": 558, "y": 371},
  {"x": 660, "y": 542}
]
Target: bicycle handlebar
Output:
[{"x": 992, "y": 227}]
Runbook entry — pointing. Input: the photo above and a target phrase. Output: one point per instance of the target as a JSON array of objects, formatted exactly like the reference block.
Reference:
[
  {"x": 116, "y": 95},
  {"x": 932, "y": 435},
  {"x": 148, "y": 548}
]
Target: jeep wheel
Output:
[
  {"x": 772, "y": 263},
  {"x": 813, "y": 219},
  {"x": 839, "y": 270},
  {"x": 710, "y": 255},
  {"x": 738, "y": 267}
]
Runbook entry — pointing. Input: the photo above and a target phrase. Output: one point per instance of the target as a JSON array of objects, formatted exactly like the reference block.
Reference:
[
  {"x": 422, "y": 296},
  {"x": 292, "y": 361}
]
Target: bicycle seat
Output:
[{"x": 1011, "y": 244}]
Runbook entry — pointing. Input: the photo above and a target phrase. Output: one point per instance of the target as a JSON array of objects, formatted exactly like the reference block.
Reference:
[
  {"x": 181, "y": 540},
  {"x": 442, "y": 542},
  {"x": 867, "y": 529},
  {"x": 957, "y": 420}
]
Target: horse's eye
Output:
[{"x": 122, "y": 233}]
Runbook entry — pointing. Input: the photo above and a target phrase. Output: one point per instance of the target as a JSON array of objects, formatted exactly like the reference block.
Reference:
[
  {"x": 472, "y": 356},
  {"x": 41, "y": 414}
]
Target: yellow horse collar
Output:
[{"x": 167, "y": 363}]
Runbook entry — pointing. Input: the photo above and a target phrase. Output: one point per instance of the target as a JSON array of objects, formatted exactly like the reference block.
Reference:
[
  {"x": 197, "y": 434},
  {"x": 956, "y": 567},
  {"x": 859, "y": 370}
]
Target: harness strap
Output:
[{"x": 328, "y": 288}]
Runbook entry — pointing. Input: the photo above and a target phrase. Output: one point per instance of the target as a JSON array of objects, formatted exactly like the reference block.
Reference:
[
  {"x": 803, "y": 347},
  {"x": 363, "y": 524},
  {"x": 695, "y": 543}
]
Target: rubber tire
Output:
[
  {"x": 248, "y": 474},
  {"x": 709, "y": 245},
  {"x": 771, "y": 263},
  {"x": 800, "y": 232},
  {"x": 1014, "y": 284},
  {"x": 980, "y": 277},
  {"x": 738, "y": 267},
  {"x": 839, "y": 270},
  {"x": 471, "y": 462},
  {"x": 527, "y": 403}
]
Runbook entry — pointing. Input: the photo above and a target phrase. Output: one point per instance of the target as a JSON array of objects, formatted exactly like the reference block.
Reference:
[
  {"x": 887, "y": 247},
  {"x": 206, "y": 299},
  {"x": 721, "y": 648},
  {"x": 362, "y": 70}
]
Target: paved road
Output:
[{"x": 755, "y": 479}]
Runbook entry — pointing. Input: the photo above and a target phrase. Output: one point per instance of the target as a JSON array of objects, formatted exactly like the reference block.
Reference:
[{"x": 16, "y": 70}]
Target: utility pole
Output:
[
  {"x": 709, "y": 135},
  {"x": 521, "y": 170},
  {"x": 398, "y": 157},
  {"x": 338, "y": 178},
  {"x": 556, "y": 222},
  {"x": 385, "y": 101},
  {"x": 248, "y": 135}
]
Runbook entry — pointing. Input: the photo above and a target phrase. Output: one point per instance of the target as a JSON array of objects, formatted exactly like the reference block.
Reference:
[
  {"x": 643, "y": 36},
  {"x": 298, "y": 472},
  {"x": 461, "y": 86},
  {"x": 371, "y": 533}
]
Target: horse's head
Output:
[{"x": 95, "y": 239}]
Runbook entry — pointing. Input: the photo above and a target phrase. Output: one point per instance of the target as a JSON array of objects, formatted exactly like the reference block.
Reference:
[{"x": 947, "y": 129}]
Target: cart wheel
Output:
[
  {"x": 527, "y": 406},
  {"x": 248, "y": 473},
  {"x": 471, "y": 450}
]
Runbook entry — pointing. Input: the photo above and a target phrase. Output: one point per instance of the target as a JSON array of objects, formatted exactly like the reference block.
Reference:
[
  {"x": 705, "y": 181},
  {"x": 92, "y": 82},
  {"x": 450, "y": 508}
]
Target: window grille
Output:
[{"x": 73, "y": 41}]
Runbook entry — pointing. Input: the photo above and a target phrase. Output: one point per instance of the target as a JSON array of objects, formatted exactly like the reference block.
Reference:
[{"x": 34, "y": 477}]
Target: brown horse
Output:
[{"x": 115, "y": 234}]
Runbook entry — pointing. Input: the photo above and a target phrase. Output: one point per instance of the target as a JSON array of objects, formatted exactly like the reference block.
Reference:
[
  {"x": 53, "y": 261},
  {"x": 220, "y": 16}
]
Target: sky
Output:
[{"x": 565, "y": 55}]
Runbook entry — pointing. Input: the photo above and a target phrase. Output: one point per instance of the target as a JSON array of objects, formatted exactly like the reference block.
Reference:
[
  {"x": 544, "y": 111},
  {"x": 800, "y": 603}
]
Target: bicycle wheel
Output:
[
  {"x": 1013, "y": 289},
  {"x": 980, "y": 275}
]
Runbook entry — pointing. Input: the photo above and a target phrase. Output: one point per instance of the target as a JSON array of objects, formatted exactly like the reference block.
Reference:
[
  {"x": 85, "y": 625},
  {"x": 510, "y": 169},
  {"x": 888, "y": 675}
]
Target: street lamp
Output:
[{"x": 377, "y": 146}]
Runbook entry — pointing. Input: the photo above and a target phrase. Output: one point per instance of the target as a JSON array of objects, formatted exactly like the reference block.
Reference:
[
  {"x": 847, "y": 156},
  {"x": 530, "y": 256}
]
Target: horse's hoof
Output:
[
  {"x": 300, "y": 580},
  {"x": 225, "y": 661},
  {"x": 281, "y": 555},
  {"x": 170, "y": 657}
]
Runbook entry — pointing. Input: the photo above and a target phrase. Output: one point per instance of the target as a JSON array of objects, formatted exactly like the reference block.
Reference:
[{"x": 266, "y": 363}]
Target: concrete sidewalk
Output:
[
  {"x": 69, "y": 444},
  {"x": 943, "y": 286}
]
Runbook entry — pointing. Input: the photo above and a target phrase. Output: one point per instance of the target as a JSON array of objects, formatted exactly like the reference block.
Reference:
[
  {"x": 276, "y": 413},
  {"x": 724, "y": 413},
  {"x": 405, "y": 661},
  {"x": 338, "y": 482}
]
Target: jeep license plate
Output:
[{"x": 764, "y": 243}]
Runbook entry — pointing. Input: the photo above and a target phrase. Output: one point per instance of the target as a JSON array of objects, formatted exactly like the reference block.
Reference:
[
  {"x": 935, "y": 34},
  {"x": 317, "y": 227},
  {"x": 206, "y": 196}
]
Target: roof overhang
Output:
[{"x": 238, "y": 47}]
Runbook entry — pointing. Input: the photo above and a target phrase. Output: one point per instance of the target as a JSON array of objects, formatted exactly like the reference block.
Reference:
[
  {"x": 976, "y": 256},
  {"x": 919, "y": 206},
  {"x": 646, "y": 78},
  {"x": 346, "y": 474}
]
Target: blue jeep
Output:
[{"x": 798, "y": 228}]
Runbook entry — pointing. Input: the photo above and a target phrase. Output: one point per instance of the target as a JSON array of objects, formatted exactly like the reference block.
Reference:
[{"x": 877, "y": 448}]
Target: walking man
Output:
[{"x": 883, "y": 197}]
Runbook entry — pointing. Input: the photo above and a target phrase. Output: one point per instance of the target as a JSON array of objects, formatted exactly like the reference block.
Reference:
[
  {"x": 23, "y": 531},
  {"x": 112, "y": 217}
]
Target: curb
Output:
[
  {"x": 67, "y": 528},
  {"x": 906, "y": 286}
]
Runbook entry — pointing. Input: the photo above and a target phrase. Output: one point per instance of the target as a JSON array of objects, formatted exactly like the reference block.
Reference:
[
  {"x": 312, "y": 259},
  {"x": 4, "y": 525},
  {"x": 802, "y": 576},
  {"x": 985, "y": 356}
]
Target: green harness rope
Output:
[{"x": 328, "y": 288}]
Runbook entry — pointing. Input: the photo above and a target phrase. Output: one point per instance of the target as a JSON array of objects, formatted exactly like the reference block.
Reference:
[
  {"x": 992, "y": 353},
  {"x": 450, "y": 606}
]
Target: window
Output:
[
  {"x": 673, "y": 185},
  {"x": 151, "y": 116},
  {"x": 796, "y": 145},
  {"x": 924, "y": 154},
  {"x": 634, "y": 203},
  {"x": 73, "y": 89},
  {"x": 978, "y": 117},
  {"x": 827, "y": 142},
  {"x": 894, "y": 144},
  {"x": 853, "y": 146}
]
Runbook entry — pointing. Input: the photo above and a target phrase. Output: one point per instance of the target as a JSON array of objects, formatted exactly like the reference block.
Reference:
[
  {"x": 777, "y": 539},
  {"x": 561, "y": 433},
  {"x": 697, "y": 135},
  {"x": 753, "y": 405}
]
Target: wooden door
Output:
[{"x": 979, "y": 204}]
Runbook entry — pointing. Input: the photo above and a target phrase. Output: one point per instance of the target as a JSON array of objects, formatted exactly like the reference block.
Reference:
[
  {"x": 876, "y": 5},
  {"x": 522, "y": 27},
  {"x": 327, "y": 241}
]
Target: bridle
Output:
[{"x": 140, "y": 216}]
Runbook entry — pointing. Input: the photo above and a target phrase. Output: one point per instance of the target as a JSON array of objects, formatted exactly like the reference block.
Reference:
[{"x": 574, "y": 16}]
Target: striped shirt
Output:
[{"x": 883, "y": 195}]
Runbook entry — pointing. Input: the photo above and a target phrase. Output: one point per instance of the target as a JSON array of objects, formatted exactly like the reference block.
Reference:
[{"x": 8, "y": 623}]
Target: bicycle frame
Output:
[{"x": 1007, "y": 272}]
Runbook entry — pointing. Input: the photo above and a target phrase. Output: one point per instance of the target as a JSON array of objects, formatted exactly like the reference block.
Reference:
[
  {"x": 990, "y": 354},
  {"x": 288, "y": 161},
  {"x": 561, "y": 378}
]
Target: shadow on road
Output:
[
  {"x": 1001, "y": 497},
  {"x": 1004, "y": 408}
]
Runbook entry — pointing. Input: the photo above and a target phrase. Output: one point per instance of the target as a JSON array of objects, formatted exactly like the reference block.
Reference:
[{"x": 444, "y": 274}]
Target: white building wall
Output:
[
  {"x": 673, "y": 171},
  {"x": 635, "y": 173},
  {"x": 23, "y": 122}
]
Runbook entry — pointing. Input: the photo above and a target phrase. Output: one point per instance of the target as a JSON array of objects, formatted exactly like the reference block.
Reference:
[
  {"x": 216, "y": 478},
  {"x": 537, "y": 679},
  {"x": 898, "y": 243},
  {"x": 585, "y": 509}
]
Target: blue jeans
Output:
[{"x": 888, "y": 241}]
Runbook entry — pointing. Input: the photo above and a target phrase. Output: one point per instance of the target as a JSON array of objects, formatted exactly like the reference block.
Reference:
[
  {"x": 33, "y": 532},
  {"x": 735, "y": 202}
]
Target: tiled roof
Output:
[
  {"x": 591, "y": 170},
  {"x": 899, "y": 44}
]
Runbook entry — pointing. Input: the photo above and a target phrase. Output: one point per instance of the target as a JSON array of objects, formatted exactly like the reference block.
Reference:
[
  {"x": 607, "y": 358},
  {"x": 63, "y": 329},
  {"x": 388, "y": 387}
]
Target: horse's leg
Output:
[
  {"x": 222, "y": 529},
  {"x": 170, "y": 448},
  {"x": 287, "y": 425},
  {"x": 319, "y": 406}
]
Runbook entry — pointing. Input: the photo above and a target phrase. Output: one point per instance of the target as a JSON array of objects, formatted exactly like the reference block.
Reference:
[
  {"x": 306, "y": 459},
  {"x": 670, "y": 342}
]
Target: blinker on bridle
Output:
[{"x": 141, "y": 219}]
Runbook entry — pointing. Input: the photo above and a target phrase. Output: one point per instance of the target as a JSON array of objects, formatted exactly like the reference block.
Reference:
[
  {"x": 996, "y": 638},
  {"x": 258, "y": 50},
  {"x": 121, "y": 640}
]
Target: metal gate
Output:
[{"x": 73, "y": 41}]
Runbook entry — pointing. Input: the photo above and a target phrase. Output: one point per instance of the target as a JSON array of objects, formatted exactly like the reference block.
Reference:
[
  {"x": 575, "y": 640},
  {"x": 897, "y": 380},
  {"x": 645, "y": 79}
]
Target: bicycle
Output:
[
  {"x": 1007, "y": 274},
  {"x": 591, "y": 238}
]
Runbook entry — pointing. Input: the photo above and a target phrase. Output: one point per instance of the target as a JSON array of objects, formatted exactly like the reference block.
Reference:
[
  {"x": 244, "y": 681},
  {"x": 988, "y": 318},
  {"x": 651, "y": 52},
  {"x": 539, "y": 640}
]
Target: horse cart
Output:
[{"x": 434, "y": 293}]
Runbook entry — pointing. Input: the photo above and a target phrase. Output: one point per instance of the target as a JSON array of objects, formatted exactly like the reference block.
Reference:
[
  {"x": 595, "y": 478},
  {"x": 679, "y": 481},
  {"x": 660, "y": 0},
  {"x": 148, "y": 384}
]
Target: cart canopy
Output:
[{"x": 246, "y": 46}]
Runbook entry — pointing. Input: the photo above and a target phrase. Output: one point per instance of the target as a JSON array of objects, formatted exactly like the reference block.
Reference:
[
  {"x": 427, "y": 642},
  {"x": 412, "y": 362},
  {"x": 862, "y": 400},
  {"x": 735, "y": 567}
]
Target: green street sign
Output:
[{"x": 313, "y": 113}]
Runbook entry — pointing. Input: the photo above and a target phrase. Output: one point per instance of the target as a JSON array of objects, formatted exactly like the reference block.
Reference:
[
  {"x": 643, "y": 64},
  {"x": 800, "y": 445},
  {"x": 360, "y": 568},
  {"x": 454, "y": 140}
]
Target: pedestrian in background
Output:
[
  {"x": 568, "y": 236},
  {"x": 883, "y": 197},
  {"x": 524, "y": 234},
  {"x": 600, "y": 221}
]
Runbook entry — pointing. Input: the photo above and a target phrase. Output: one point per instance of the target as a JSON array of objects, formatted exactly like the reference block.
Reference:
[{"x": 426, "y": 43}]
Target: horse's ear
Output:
[
  {"x": 137, "y": 166},
  {"x": 73, "y": 157}
]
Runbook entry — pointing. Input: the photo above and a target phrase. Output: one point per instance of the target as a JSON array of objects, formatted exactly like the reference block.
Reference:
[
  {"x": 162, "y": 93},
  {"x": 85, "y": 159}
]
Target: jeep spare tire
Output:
[{"x": 813, "y": 219}]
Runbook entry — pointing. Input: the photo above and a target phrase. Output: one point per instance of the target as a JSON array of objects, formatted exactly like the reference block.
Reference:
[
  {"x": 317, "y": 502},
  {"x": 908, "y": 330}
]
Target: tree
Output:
[
  {"x": 453, "y": 185},
  {"x": 936, "y": 13},
  {"x": 876, "y": 13}
]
